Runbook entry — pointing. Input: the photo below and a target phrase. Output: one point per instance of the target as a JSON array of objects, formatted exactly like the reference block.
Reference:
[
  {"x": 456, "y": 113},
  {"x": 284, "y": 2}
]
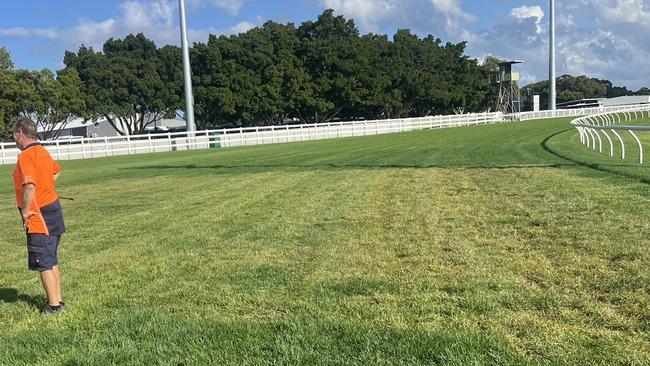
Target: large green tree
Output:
[
  {"x": 132, "y": 84},
  {"x": 10, "y": 91},
  {"x": 51, "y": 101},
  {"x": 333, "y": 60},
  {"x": 18, "y": 96}
]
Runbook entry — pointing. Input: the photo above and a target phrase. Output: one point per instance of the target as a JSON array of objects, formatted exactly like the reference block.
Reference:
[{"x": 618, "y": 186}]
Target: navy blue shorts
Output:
[{"x": 42, "y": 252}]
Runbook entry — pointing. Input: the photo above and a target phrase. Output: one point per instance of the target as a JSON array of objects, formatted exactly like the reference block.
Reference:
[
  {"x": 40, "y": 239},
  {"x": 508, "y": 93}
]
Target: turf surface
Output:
[{"x": 506, "y": 244}]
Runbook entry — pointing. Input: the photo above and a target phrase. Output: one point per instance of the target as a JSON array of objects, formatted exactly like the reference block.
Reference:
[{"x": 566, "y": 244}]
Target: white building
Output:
[
  {"x": 605, "y": 102},
  {"x": 101, "y": 128}
]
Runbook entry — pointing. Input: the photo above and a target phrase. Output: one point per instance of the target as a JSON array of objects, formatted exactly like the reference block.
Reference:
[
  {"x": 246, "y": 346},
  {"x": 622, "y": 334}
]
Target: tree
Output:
[
  {"x": 643, "y": 91},
  {"x": 8, "y": 93},
  {"x": 128, "y": 84},
  {"x": 15, "y": 95},
  {"x": 324, "y": 70},
  {"x": 52, "y": 102},
  {"x": 6, "y": 63},
  {"x": 330, "y": 53},
  {"x": 570, "y": 88}
]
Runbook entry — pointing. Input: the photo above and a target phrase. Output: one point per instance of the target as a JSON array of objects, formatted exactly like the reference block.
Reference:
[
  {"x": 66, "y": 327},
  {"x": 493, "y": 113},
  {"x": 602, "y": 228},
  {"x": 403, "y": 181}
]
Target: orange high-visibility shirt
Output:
[{"x": 36, "y": 166}]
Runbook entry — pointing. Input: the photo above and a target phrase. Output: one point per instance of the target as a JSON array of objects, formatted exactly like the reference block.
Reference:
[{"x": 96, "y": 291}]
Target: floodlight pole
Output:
[
  {"x": 551, "y": 76},
  {"x": 189, "y": 99}
]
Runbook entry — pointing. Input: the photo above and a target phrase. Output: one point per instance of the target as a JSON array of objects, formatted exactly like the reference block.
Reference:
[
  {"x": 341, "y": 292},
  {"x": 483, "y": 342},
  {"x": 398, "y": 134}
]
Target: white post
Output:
[
  {"x": 622, "y": 144},
  {"x": 187, "y": 77},
  {"x": 552, "y": 92},
  {"x": 640, "y": 146}
]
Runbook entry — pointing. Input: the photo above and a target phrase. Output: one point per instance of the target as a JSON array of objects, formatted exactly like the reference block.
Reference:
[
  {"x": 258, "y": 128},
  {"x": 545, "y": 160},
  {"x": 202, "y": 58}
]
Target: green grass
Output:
[{"x": 506, "y": 244}]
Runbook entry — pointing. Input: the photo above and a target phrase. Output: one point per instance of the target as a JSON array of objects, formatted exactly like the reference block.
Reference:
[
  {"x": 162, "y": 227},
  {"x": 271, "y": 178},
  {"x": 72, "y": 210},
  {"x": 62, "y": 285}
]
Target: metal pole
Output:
[
  {"x": 552, "y": 91},
  {"x": 189, "y": 99}
]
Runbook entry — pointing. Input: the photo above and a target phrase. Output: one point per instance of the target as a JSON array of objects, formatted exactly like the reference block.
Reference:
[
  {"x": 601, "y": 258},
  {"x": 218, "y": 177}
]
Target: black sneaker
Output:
[{"x": 50, "y": 309}]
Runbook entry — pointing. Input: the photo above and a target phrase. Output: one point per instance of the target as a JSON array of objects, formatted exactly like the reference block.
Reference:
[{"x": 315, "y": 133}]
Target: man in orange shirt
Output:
[{"x": 40, "y": 209}]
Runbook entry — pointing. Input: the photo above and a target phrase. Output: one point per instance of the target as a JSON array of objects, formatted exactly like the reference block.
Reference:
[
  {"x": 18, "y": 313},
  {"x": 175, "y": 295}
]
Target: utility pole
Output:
[
  {"x": 551, "y": 66},
  {"x": 189, "y": 98}
]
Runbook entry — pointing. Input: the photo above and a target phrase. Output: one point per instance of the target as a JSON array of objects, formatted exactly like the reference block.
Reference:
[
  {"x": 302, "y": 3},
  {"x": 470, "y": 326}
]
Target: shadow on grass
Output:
[
  {"x": 11, "y": 295},
  {"x": 269, "y": 167},
  {"x": 605, "y": 168},
  {"x": 564, "y": 162}
]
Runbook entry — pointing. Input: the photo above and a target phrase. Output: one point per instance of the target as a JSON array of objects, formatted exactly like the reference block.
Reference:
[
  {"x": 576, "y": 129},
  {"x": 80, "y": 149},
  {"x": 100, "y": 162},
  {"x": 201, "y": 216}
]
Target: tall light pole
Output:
[
  {"x": 551, "y": 63},
  {"x": 189, "y": 99}
]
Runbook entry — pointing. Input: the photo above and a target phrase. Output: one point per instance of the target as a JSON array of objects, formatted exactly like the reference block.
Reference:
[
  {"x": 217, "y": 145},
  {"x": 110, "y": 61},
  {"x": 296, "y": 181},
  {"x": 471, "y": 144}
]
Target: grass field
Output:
[{"x": 506, "y": 244}]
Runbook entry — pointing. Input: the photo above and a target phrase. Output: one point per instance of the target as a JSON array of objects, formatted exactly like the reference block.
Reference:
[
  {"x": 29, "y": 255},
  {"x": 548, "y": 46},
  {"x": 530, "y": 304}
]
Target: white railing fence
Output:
[
  {"x": 85, "y": 148},
  {"x": 559, "y": 113},
  {"x": 591, "y": 128}
]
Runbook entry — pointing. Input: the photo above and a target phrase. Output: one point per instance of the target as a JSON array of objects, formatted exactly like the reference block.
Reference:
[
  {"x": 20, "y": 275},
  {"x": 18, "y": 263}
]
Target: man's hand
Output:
[
  {"x": 26, "y": 216},
  {"x": 29, "y": 191}
]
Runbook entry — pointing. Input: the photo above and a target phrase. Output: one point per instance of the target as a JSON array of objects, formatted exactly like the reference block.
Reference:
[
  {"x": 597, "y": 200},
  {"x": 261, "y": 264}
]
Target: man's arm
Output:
[
  {"x": 56, "y": 176},
  {"x": 29, "y": 191}
]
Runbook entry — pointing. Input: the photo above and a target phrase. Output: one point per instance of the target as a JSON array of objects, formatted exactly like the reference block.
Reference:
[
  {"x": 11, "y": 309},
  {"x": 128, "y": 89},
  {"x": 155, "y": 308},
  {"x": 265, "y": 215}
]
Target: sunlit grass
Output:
[{"x": 508, "y": 244}]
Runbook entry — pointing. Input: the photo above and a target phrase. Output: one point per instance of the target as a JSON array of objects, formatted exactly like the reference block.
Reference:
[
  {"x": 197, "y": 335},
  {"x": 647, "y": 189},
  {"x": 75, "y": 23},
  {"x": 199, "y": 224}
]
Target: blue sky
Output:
[{"x": 599, "y": 38}]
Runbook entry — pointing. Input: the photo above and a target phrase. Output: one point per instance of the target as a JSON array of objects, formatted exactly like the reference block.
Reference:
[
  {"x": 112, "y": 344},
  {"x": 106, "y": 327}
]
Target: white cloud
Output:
[
  {"x": 49, "y": 33},
  {"x": 231, "y": 6},
  {"x": 90, "y": 33},
  {"x": 624, "y": 11},
  {"x": 241, "y": 27},
  {"x": 157, "y": 19},
  {"x": 21, "y": 32},
  {"x": 528, "y": 12},
  {"x": 451, "y": 8},
  {"x": 421, "y": 16},
  {"x": 368, "y": 12},
  {"x": 16, "y": 32}
]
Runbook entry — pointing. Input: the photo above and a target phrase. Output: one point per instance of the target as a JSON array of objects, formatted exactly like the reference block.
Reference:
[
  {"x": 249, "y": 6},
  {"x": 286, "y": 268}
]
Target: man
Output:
[{"x": 40, "y": 209}]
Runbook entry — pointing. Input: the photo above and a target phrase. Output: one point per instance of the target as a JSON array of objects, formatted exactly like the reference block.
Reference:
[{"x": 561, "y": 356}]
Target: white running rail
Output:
[
  {"x": 86, "y": 148},
  {"x": 593, "y": 127}
]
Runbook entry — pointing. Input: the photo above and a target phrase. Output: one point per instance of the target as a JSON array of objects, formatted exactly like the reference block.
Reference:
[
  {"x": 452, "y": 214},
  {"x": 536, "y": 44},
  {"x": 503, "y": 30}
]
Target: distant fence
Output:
[
  {"x": 591, "y": 127},
  {"x": 85, "y": 148}
]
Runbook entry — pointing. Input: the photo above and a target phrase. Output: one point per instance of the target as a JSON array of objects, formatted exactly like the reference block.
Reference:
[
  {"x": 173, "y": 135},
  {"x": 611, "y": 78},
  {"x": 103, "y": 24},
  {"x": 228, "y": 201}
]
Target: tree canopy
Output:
[
  {"x": 325, "y": 70},
  {"x": 6, "y": 63},
  {"x": 570, "y": 88},
  {"x": 132, "y": 83},
  {"x": 317, "y": 71},
  {"x": 50, "y": 100}
]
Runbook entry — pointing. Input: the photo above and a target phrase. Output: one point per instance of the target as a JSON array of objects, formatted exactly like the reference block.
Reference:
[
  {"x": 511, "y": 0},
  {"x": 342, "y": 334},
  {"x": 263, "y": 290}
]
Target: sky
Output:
[{"x": 606, "y": 39}]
